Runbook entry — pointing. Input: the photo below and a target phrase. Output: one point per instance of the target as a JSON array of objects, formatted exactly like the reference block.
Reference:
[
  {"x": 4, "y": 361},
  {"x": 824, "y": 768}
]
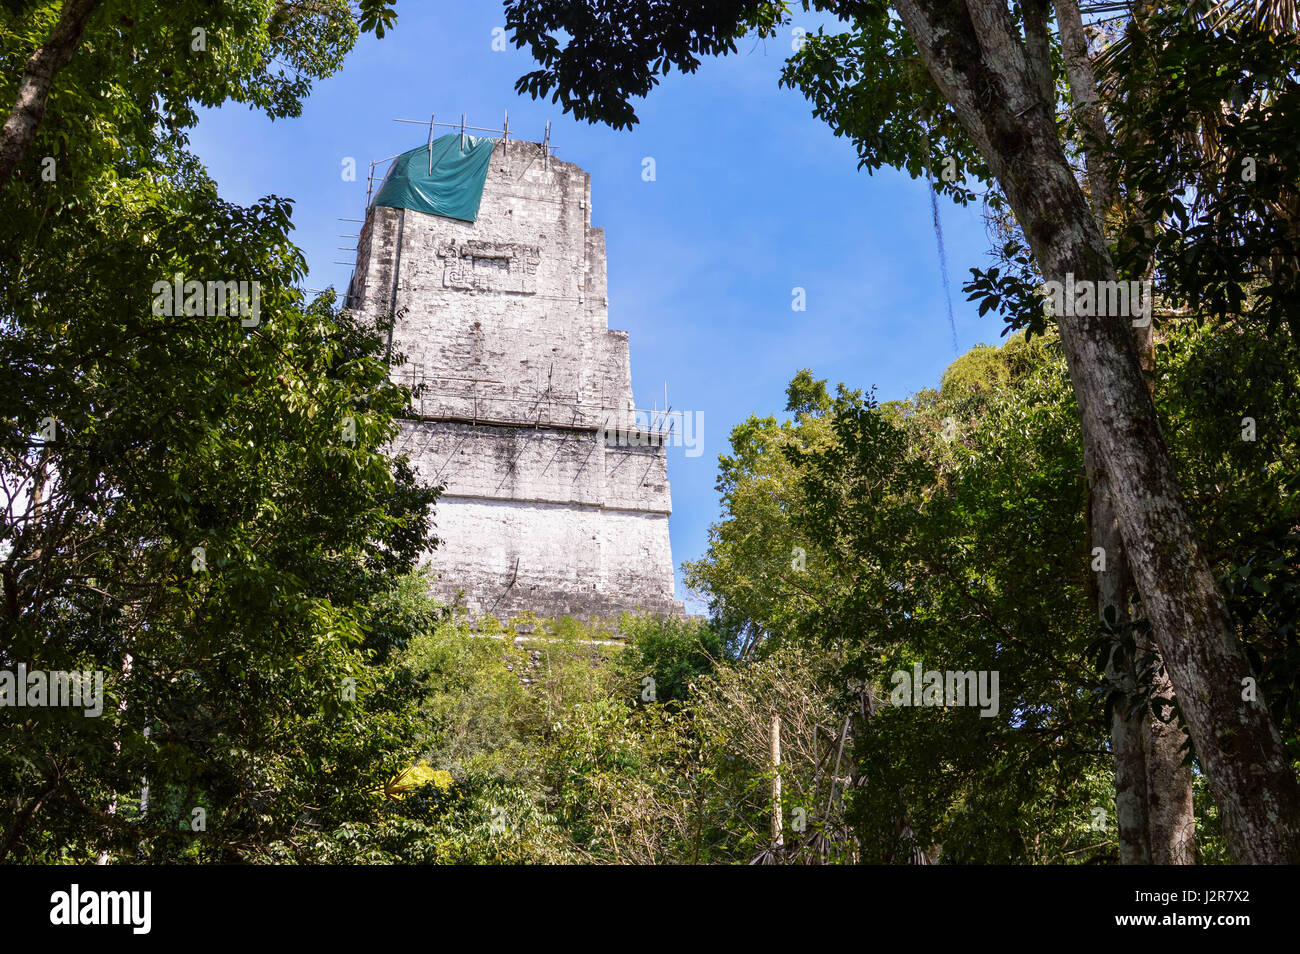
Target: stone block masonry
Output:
[{"x": 504, "y": 326}]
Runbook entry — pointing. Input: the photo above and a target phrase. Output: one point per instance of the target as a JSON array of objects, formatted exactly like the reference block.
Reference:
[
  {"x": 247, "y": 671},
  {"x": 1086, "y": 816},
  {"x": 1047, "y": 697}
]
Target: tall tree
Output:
[
  {"x": 171, "y": 406},
  {"x": 1153, "y": 786}
]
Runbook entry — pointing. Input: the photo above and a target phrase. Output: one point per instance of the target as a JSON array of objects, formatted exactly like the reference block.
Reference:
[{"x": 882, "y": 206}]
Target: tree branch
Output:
[{"x": 34, "y": 88}]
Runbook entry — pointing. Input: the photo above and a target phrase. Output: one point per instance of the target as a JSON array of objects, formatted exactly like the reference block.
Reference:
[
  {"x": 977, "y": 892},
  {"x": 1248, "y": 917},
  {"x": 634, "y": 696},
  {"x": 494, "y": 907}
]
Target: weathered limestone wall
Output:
[{"x": 504, "y": 325}]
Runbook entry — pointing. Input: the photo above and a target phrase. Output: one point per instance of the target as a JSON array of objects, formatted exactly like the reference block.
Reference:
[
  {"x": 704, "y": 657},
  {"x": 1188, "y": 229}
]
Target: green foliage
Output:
[
  {"x": 477, "y": 820},
  {"x": 987, "y": 370},
  {"x": 183, "y": 547},
  {"x": 1243, "y": 487},
  {"x": 1206, "y": 126},
  {"x": 763, "y": 573},
  {"x": 593, "y": 64},
  {"x": 550, "y": 756},
  {"x": 553, "y": 738},
  {"x": 476, "y": 720},
  {"x": 868, "y": 84},
  {"x": 199, "y": 504},
  {"x": 806, "y": 395},
  {"x": 671, "y": 652},
  {"x": 948, "y": 532}
]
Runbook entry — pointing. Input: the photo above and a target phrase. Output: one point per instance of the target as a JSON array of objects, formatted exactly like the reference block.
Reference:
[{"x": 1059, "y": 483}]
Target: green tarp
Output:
[{"x": 453, "y": 188}]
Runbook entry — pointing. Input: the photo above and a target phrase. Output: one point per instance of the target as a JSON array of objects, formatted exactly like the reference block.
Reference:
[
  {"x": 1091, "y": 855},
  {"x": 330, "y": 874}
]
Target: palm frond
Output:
[
  {"x": 1270, "y": 16},
  {"x": 1274, "y": 16}
]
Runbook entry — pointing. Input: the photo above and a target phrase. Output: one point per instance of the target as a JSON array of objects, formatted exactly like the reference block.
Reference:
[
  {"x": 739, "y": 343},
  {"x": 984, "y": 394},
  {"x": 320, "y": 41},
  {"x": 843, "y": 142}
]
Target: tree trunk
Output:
[
  {"x": 977, "y": 60},
  {"x": 1171, "y": 820},
  {"x": 1141, "y": 744},
  {"x": 1127, "y": 726},
  {"x": 1086, "y": 98},
  {"x": 34, "y": 88},
  {"x": 778, "y": 825}
]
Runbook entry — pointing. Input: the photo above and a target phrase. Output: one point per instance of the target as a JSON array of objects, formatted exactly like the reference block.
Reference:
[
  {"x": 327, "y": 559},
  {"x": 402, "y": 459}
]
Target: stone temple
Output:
[{"x": 555, "y": 501}]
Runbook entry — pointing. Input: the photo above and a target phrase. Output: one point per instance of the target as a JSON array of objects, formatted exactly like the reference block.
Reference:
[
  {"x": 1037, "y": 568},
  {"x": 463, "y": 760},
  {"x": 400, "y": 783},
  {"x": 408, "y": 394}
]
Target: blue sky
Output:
[{"x": 752, "y": 198}]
